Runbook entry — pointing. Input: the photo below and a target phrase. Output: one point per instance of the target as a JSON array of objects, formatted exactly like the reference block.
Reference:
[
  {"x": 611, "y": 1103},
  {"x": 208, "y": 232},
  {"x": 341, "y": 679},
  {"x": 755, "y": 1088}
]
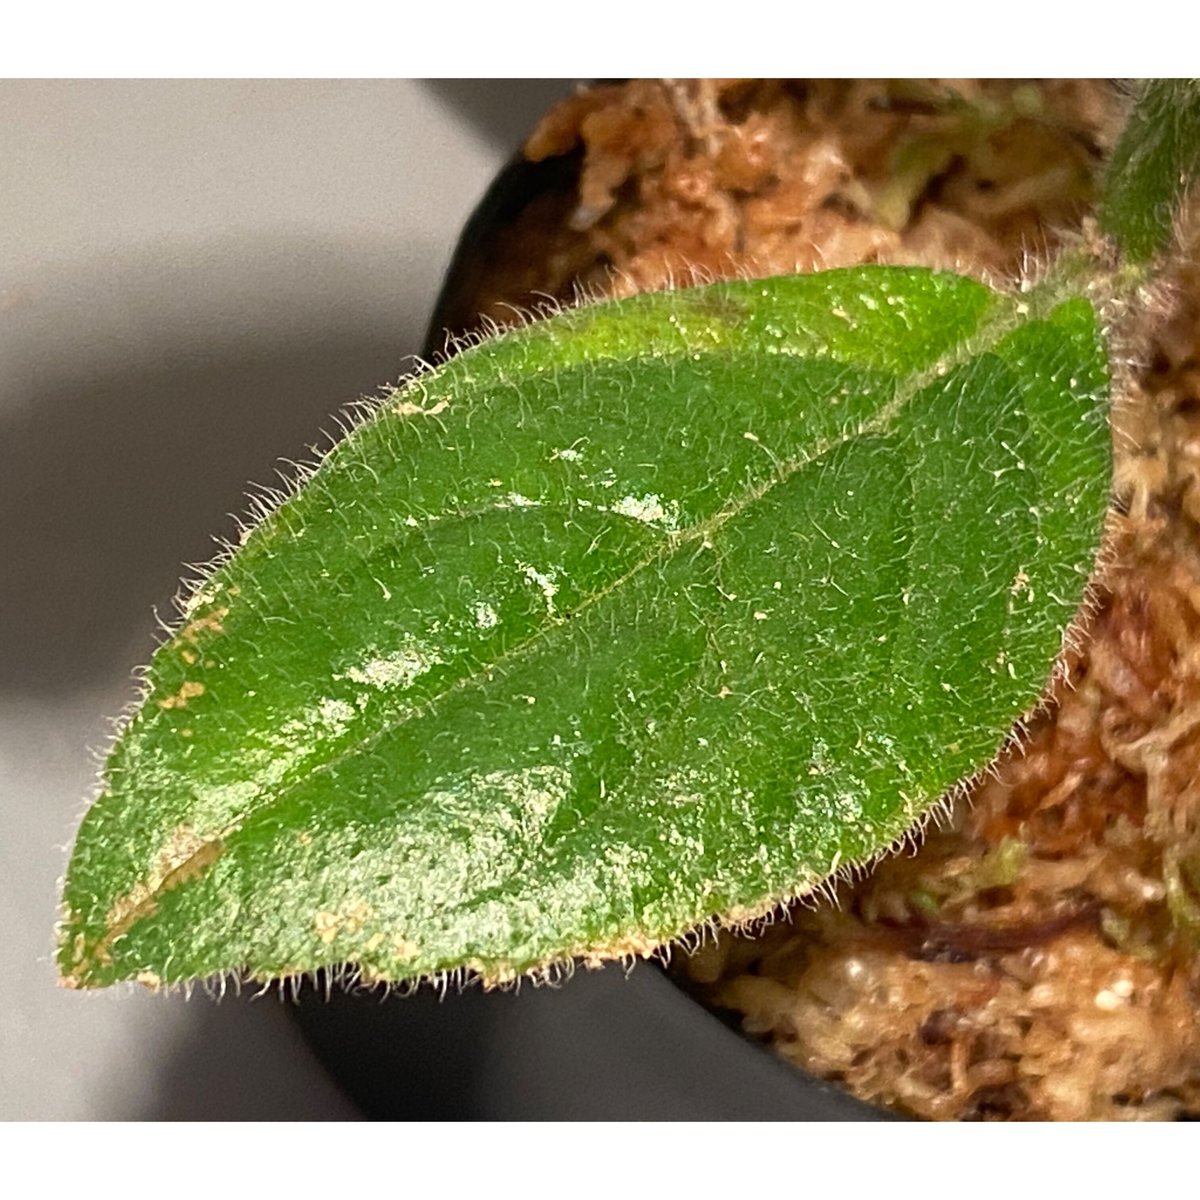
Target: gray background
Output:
[{"x": 193, "y": 276}]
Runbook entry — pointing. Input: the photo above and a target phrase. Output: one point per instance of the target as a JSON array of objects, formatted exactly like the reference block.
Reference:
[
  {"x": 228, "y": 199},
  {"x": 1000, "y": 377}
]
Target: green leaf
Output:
[
  {"x": 652, "y": 611},
  {"x": 1154, "y": 165}
]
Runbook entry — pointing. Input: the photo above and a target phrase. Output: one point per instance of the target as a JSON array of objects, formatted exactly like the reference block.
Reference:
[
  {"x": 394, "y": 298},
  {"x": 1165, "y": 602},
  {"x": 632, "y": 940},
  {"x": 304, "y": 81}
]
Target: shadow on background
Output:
[
  {"x": 505, "y": 111},
  {"x": 602, "y": 1047},
  {"x": 242, "y": 1060},
  {"x": 125, "y": 445},
  {"x": 130, "y": 446},
  {"x": 124, "y": 477}
]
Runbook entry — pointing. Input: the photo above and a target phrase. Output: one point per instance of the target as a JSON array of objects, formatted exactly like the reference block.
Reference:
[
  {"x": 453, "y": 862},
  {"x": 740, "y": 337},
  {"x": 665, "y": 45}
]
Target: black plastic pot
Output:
[{"x": 602, "y": 1046}]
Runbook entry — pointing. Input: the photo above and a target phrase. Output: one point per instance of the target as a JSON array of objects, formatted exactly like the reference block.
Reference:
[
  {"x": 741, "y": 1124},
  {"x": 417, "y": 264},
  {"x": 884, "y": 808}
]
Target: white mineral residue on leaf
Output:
[
  {"x": 486, "y": 617},
  {"x": 349, "y": 919},
  {"x": 649, "y": 509},
  {"x": 220, "y": 805},
  {"x": 397, "y": 669},
  {"x": 625, "y": 860},
  {"x": 198, "y": 598},
  {"x": 529, "y": 793},
  {"x": 543, "y": 581},
  {"x": 407, "y": 408},
  {"x": 848, "y": 806},
  {"x": 516, "y": 500},
  {"x": 535, "y": 792},
  {"x": 335, "y": 715},
  {"x": 686, "y": 786},
  {"x": 502, "y": 810},
  {"x": 818, "y": 759},
  {"x": 568, "y": 454},
  {"x": 582, "y": 885},
  {"x": 289, "y": 748},
  {"x": 327, "y": 718}
]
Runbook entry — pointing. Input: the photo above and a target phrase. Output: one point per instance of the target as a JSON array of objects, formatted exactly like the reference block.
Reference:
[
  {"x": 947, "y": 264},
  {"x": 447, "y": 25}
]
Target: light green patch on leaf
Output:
[{"x": 655, "y": 611}]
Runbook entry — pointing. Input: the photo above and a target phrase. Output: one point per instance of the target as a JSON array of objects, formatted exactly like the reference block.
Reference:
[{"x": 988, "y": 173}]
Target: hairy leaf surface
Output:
[
  {"x": 1153, "y": 167},
  {"x": 653, "y": 611}
]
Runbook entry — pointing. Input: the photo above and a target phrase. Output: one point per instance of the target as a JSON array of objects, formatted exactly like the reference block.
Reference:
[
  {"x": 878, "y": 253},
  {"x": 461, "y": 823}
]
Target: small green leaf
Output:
[
  {"x": 1154, "y": 165},
  {"x": 653, "y": 611}
]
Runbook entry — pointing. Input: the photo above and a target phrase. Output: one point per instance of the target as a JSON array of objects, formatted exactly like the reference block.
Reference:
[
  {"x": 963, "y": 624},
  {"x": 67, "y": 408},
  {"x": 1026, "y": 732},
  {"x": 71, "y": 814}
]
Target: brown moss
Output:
[{"x": 726, "y": 177}]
